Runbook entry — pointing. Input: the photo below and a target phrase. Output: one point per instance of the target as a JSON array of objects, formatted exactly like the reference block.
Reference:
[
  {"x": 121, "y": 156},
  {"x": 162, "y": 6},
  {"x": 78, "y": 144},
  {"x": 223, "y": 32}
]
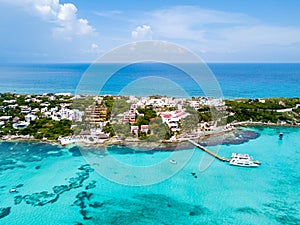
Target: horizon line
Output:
[{"x": 208, "y": 62}]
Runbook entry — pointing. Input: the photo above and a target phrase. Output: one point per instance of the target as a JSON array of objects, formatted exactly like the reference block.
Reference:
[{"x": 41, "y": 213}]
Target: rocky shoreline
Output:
[
  {"x": 232, "y": 137},
  {"x": 235, "y": 137}
]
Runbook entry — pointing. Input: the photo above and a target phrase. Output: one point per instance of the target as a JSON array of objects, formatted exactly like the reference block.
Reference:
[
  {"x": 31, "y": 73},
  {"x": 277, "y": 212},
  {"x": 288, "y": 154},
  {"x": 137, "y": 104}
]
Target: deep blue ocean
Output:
[{"x": 250, "y": 80}]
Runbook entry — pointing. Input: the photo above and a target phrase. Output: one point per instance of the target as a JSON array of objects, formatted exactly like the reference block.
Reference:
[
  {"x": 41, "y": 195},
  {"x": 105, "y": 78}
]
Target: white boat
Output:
[
  {"x": 173, "y": 161},
  {"x": 13, "y": 190},
  {"x": 243, "y": 160}
]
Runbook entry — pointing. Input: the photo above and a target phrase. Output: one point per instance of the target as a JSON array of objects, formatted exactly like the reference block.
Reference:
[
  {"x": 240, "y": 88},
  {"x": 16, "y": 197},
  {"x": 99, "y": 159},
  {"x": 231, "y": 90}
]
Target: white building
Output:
[
  {"x": 195, "y": 104},
  {"x": 172, "y": 118},
  {"x": 5, "y": 118},
  {"x": 25, "y": 109},
  {"x": 63, "y": 94},
  {"x": 10, "y": 101},
  {"x": 134, "y": 129},
  {"x": 51, "y": 98},
  {"x": 70, "y": 114},
  {"x": 30, "y": 117}
]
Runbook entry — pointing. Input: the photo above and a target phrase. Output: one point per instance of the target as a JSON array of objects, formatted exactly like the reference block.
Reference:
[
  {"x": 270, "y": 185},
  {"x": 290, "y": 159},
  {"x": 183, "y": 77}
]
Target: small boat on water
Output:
[
  {"x": 280, "y": 135},
  {"x": 173, "y": 161},
  {"x": 243, "y": 160},
  {"x": 13, "y": 190}
]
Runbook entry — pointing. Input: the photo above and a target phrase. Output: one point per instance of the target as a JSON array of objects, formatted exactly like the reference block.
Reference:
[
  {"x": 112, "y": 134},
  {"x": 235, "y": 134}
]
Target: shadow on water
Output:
[
  {"x": 140, "y": 209},
  {"x": 16, "y": 154}
]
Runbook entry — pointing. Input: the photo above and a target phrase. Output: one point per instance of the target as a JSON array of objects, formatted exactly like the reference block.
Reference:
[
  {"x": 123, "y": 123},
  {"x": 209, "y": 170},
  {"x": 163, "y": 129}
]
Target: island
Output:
[{"x": 65, "y": 118}]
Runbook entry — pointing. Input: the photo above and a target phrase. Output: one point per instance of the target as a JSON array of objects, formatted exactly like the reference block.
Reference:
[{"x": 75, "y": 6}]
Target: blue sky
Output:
[{"x": 81, "y": 30}]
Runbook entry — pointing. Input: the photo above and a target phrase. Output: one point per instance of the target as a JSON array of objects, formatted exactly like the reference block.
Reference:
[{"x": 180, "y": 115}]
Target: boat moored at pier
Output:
[{"x": 243, "y": 160}]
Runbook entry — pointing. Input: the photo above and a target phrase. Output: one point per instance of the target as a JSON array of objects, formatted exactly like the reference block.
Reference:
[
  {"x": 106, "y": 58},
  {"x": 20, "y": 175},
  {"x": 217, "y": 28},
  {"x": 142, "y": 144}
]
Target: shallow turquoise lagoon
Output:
[{"x": 68, "y": 186}]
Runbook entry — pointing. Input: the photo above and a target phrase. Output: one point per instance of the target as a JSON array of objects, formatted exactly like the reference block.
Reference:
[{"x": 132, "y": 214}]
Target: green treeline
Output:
[
  {"x": 263, "y": 111},
  {"x": 42, "y": 128}
]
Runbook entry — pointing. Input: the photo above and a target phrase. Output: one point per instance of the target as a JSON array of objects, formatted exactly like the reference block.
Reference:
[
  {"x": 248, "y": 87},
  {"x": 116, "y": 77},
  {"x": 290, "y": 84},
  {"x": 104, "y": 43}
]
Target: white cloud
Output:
[
  {"x": 189, "y": 22},
  {"x": 84, "y": 27},
  {"x": 109, "y": 13},
  {"x": 64, "y": 16},
  {"x": 143, "y": 32},
  {"x": 217, "y": 31},
  {"x": 93, "y": 49},
  {"x": 67, "y": 12},
  {"x": 45, "y": 10}
]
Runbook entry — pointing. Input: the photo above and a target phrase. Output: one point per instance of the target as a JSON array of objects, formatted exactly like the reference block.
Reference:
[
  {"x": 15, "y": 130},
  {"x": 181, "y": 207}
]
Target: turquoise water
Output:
[{"x": 60, "y": 186}]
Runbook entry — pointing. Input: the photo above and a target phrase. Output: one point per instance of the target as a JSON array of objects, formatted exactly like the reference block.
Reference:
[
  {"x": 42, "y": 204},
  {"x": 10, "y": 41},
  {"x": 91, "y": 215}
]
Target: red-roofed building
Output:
[{"x": 144, "y": 128}]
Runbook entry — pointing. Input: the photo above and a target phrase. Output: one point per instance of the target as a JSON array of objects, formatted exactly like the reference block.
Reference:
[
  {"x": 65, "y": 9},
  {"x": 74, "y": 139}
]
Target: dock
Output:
[{"x": 210, "y": 152}]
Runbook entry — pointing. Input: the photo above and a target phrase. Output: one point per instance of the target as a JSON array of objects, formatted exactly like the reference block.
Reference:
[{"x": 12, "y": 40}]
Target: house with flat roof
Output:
[
  {"x": 134, "y": 129},
  {"x": 129, "y": 117},
  {"x": 5, "y": 118},
  {"x": 25, "y": 109},
  {"x": 144, "y": 128},
  {"x": 30, "y": 117}
]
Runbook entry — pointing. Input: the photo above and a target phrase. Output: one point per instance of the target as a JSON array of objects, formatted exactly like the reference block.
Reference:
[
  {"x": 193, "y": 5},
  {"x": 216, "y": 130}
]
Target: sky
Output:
[{"x": 83, "y": 30}]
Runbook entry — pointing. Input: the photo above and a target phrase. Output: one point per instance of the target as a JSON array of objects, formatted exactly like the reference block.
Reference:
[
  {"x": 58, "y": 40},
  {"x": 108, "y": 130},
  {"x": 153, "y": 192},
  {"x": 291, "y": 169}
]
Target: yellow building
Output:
[{"x": 96, "y": 114}]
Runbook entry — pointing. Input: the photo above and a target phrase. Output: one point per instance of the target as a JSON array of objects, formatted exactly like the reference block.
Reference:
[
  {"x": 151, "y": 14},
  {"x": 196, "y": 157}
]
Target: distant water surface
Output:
[{"x": 236, "y": 79}]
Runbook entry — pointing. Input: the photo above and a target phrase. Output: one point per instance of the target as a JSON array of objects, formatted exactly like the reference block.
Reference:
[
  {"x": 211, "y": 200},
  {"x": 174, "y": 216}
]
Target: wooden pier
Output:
[{"x": 210, "y": 152}]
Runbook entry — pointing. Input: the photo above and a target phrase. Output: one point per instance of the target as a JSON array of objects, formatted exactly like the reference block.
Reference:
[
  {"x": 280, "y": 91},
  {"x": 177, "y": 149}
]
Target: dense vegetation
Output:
[
  {"x": 119, "y": 106},
  {"x": 47, "y": 128},
  {"x": 253, "y": 110}
]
